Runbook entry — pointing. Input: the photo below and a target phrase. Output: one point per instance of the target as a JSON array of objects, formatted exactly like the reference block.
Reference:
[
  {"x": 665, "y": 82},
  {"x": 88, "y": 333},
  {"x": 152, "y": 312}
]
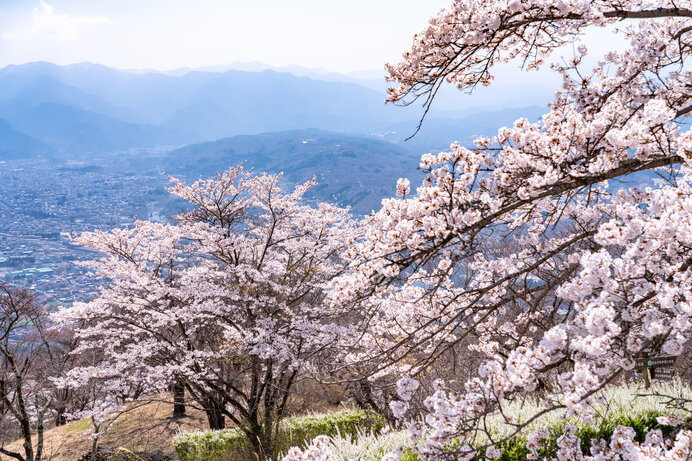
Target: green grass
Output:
[
  {"x": 232, "y": 444},
  {"x": 515, "y": 448},
  {"x": 79, "y": 426},
  {"x": 621, "y": 406}
]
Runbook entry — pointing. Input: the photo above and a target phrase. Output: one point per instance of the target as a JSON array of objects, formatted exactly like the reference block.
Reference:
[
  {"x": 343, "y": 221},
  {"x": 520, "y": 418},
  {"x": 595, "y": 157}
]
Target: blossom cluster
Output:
[{"x": 537, "y": 246}]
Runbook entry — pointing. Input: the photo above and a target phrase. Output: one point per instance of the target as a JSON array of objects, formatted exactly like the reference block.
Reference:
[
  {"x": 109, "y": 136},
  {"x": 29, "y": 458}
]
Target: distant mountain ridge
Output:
[
  {"x": 90, "y": 108},
  {"x": 69, "y": 129},
  {"x": 16, "y": 145},
  {"x": 208, "y": 105}
]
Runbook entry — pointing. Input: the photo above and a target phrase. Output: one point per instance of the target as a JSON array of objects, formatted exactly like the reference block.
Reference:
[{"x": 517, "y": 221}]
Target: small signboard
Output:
[
  {"x": 654, "y": 362},
  {"x": 662, "y": 373},
  {"x": 636, "y": 374},
  {"x": 649, "y": 368}
]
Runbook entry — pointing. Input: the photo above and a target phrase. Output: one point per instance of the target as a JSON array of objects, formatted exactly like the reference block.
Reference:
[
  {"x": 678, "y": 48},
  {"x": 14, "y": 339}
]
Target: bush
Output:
[
  {"x": 211, "y": 445},
  {"x": 515, "y": 448},
  {"x": 624, "y": 407},
  {"x": 371, "y": 446},
  {"x": 233, "y": 444}
]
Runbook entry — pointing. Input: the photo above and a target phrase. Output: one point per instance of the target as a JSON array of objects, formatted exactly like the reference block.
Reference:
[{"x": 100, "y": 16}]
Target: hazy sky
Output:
[{"x": 340, "y": 36}]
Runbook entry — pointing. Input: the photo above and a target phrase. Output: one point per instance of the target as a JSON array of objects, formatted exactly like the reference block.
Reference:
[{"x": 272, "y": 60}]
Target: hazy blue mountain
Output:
[
  {"x": 155, "y": 97},
  {"x": 252, "y": 102},
  {"x": 29, "y": 85},
  {"x": 511, "y": 87},
  {"x": 110, "y": 109},
  {"x": 72, "y": 130},
  {"x": 351, "y": 170},
  {"x": 16, "y": 145}
]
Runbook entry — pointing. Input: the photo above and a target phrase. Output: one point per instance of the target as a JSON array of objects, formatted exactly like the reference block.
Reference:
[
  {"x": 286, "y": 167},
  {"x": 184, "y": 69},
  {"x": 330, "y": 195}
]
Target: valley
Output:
[{"x": 44, "y": 198}]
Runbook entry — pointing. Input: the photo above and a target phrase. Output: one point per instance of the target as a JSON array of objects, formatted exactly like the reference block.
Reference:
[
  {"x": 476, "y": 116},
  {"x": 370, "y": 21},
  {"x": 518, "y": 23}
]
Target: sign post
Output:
[{"x": 652, "y": 368}]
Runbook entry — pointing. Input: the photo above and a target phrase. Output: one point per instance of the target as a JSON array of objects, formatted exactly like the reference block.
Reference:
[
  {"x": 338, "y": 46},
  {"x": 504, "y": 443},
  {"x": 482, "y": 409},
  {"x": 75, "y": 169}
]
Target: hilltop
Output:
[{"x": 351, "y": 170}]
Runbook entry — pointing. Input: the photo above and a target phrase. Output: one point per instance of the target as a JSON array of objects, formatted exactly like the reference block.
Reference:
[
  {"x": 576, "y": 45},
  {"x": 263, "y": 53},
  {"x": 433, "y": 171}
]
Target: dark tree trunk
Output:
[
  {"x": 255, "y": 437},
  {"x": 94, "y": 449},
  {"x": 24, "y": 421},
  {"x": 39, "y": 432},
  {"x": 178, "y": 399},
  {"x": 362, "y": 393},
  {"x": 60, "y": 417},
  {"x": 215, "y": 415}
]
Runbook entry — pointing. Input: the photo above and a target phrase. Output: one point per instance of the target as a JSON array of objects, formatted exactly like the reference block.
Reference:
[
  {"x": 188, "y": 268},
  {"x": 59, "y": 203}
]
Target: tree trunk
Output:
[
  {"x": 178, "y": 399},
  {"x": 39, "y": 431},
  {"x": 259, "y": 443},
  {"x": 268, "y": 441},
  {"x": 95, "y": 443},
  {"x": 24, "y": 423},
  {"x": 215, "y": 416},
  {"x": 28, "y": 446},
  {"x": 94, "y": 448},
  {"x": 60, "y": 417}
]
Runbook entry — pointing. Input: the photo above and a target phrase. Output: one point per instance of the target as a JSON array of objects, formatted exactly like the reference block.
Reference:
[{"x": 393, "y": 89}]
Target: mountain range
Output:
[{"x": 80, "y": 109}]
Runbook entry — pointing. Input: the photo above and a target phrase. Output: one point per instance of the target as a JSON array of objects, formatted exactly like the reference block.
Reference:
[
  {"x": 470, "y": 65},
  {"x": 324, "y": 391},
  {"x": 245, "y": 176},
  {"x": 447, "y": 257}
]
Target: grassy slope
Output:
[{"x": 148, "y": 428}]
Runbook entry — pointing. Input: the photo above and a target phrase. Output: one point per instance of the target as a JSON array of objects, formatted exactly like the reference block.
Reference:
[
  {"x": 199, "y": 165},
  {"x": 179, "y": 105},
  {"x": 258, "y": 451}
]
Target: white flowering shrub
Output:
[{"x": 620, "y": 413}]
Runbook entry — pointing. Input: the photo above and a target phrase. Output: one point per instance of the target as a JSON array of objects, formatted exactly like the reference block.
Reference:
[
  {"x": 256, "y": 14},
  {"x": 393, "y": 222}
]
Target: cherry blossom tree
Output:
[
  {"x": 98, "y": 393},
  {"x": 228, "y": 300},
  {"x": 25, "y": 366},
  {"x": 599, "y": 269}
]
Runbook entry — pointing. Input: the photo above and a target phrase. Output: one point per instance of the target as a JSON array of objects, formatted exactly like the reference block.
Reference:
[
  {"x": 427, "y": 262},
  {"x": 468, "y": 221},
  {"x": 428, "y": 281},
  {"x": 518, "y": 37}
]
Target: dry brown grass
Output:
[
  {"x": 149, "y": 427},
  {"x": 146, "y": 428}
]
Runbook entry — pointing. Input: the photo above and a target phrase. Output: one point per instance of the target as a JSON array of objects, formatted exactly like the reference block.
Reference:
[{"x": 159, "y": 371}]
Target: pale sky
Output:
[{"x": 341, "y": 36}]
